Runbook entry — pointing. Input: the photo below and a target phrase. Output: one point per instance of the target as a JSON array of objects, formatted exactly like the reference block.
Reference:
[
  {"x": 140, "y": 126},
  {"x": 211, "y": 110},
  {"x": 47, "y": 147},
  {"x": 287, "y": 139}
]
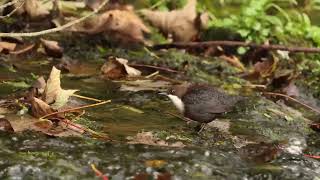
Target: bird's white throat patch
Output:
[{"x": 177, "y": 102}]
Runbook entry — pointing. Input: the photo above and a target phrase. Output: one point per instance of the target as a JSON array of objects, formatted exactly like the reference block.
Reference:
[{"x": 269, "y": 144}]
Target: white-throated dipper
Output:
[{"x": 201, "y": 102}]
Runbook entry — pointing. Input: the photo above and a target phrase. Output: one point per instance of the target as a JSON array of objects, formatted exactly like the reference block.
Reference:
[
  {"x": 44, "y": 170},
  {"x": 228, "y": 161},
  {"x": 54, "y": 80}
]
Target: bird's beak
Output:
[{"x": 163, "y": 93}]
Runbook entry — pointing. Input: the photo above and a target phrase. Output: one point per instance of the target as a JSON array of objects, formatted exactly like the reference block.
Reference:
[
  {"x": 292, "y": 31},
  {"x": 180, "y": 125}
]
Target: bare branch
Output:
[{"x": 15, "y": 9}]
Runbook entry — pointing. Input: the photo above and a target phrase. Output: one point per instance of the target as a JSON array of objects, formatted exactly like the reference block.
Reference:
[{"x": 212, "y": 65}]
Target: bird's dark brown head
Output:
[{"x": 179, "y": 90}]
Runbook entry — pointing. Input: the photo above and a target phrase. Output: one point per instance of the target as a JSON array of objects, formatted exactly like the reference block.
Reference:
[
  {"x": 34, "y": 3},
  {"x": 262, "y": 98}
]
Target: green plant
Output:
[{"x": 263, "y": 20}]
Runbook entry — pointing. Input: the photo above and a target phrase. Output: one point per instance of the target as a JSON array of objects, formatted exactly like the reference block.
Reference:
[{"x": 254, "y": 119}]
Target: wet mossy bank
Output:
[{"x": 218, "y": 152}]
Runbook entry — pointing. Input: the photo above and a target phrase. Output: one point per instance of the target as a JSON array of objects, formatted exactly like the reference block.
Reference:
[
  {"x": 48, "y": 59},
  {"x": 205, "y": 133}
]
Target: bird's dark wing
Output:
[{"x": 210, "y": 100}]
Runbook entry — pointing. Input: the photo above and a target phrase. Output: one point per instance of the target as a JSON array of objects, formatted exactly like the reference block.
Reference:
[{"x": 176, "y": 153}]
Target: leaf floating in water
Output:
[{"x": 116, "y": 68}]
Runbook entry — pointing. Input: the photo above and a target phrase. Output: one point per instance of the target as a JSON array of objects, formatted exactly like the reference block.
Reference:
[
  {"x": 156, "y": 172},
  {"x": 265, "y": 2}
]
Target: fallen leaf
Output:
[
  {"x": 26, "y": 122},
  {"x": 123, "y": 25},
  {"x": 62, "y": 98},
  {"x": 5, "y": 125},
  {"x": 7, "y": 46},
  {"x": 116, "y": 68},
  {"x": 52, "y": 48},
  {"x": 149, "y": 139},
  {"x": 53, "y": 93},
  {"x": 144, "y": 85},
  {"x": 266, "y": 67},
  {"x": 35, "y": 9},
  {"x": 44, "y": 124},
  {"x": 40, "y": 108},
  {"x": 181, "y": 23}
]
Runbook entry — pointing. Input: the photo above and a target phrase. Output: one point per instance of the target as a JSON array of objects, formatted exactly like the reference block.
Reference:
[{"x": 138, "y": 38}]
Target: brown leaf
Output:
[
  {"x": 39, "y": 108},
  {"x": 123, "y": 25},
  {"x": 116, "y": 68},
  {"x": 26, "y": 122},
  {"x": 181, "y": 23},
  {"x": 266, "y": 67},
  {"x": 52, "y": 48},
  {"x": 35, "y": 9},
  {"x": 5, "y": 125},
  {"x": 7, "y": 46},
  {"x": 44, "y": 124}
]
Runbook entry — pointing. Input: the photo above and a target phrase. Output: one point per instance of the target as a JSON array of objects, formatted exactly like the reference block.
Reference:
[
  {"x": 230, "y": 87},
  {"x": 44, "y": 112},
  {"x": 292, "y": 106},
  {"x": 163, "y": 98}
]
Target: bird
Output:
[{"x": 201, "y": 102}]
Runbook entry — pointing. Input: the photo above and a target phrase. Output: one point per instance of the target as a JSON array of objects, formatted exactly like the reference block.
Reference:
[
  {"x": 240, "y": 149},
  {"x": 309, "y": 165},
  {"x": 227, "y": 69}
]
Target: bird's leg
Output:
[{"x": 202, "y": 126}]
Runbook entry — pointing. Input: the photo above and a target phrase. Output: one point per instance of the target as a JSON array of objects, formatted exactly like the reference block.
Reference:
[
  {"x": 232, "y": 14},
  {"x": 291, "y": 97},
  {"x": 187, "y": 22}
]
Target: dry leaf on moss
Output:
[
  {"x": 116, "y": 68},
  {"x": 5, "y": 125},
  {"x": 40, "y": 108},
  {"x": 181, "y": 24},
  {"x": 33, "y": 8},
  {"x": 53, "y": 93},
  {"x": 123, "y": 25},
  {"x": 7, "y": 46},
  {"x": 52, "y": 48},
  {"x": 266, "y": 67}
]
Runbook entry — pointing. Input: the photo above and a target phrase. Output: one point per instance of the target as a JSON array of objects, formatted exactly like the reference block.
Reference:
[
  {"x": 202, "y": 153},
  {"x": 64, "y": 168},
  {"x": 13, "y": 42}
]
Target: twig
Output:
[
  {"x": 76, "y": 108},
  {"x": 13, "y": 11},
  {"x": 155, "y": 67},
  {"x": 236, "y": 43},
  {"x": 87, "y": 98},
  {"x": 60, "y": 28},
  {"x": 292, "y": 99},
  {"x": 8, "y": 4},
  {"x": 152, "y": 75}
]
